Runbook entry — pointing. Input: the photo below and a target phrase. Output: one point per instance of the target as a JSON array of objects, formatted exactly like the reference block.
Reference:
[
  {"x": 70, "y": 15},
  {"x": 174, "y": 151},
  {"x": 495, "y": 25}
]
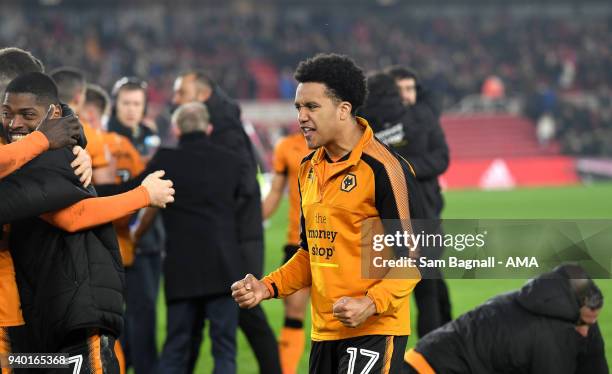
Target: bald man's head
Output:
[{"x": 191, "y": 117}]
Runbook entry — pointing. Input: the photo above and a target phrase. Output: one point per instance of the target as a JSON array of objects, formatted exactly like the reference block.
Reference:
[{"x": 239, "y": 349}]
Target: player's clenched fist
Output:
[
  {"x": 249, "y": 292},
  {"x": 353, "y": 311}
]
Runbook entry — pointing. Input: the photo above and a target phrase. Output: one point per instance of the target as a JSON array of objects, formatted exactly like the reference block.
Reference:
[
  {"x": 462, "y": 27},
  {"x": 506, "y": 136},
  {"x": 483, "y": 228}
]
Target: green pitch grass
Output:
[{"x": 569, "y": 202}]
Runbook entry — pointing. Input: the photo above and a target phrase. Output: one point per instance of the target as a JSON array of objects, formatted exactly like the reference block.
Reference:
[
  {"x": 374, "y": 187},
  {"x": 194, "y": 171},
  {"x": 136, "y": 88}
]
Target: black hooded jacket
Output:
[
  {"x": 414, "y": 132},
  {"x": 527, "y": 331},
  {"x": 229, "y": 134},
  {"x": 66, "y": 281}
]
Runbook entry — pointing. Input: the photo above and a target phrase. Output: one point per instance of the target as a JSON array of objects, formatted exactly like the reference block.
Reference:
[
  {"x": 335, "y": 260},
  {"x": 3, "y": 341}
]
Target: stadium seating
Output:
[{"x": 490, "y": 136}]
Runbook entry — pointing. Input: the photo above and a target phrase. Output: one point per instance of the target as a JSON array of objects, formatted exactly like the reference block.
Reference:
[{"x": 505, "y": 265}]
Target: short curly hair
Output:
[{"x": 345, "y": 81}]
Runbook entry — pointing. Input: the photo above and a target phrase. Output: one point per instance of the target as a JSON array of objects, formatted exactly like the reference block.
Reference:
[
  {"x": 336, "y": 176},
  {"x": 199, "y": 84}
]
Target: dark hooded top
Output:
[
  {"x": 531, "y": 330},
  {"x": 414, "y": 132},
  {"x": 67, "y": 281}
]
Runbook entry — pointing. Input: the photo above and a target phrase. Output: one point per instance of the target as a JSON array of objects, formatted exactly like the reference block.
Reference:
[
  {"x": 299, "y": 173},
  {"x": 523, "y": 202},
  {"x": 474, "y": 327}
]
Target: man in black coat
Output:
[
  {"x": 228, "y": 132},
  {"x": 204, "y": 249},
  {"x": 408, "y": 122},
  {"x": 420, "y": 138},
  {"x": 548, "y": 326}
]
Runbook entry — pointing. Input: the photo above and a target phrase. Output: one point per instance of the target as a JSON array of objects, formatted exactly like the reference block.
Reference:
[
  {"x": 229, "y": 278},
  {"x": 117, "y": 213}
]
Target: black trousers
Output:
[
  {"x": 433, "y": 303},
  {"x": 139, "y": 335},
  {"x": 261, "y": 338},
  {"x": 185, "y": 320}
]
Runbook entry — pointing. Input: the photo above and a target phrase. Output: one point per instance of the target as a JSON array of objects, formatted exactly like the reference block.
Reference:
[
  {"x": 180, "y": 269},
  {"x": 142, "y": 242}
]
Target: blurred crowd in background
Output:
[{"x": 556, "y": 65}]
